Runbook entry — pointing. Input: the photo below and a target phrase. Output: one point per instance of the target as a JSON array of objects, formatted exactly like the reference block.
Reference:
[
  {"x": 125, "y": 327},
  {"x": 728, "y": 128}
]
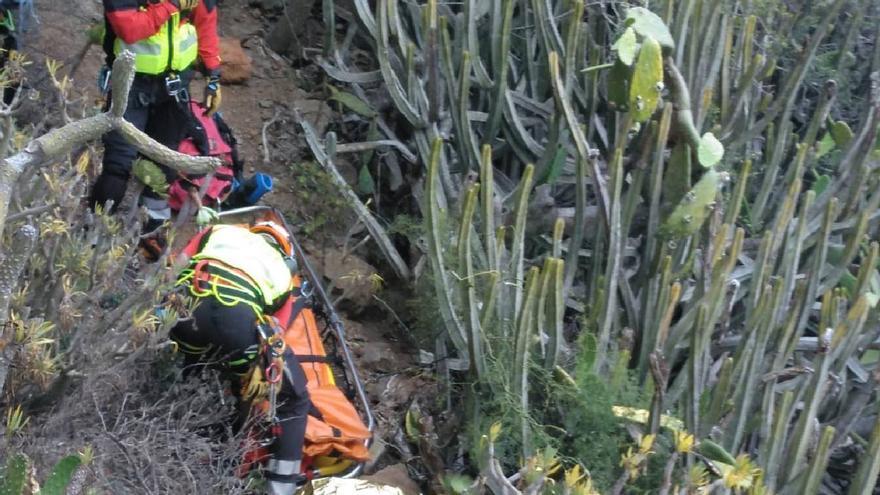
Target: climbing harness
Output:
[
  {"x": 272, "y": 354},
  {"x": 227, "y": 285}
]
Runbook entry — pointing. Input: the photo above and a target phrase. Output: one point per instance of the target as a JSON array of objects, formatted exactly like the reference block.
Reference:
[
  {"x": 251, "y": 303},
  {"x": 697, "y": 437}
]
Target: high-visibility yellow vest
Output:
[
  {"x": 249, "y": 254},
  {"x": 173, "y": 48}
]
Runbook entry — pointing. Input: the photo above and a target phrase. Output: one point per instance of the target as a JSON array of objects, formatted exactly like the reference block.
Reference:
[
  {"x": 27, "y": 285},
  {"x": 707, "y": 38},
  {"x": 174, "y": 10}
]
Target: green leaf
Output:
[
  {"x": 151, "y": 175},
  {"x": 372, "y": 135},
  {"x": 715, "y": 452},
  {"x": 554, "y": 168},
  {"x": 56, "y": 483},
  {"x": 841, "y": 133},
  {"x": 457, "y": 483},
  {"x": 710, "y": 151},
  {"x": 626, "y": 46},
  {"x": 693, "y": 209},
  {"x": 411, "y": 424},
  {"x": 825, "y": 145},
  {"x": 353, "y": 103},
  {"x": 821, "y": 184},
  {"x": 649, "y": 24},
  {"x": 95, "y": 33},
  {"x": 15, "y": 475},
  {"x": 366, "y": 184},
  {"x": 618, "y": 86},
  {"x": 647, "y": 81},
  {"x": 494, "y": 431},
  {"x": 848, "y": 282}
]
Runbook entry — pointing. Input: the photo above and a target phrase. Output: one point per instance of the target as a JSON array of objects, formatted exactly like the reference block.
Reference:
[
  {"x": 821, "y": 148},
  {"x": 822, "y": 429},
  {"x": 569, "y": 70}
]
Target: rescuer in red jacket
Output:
[{"x": 168, "y": 38}]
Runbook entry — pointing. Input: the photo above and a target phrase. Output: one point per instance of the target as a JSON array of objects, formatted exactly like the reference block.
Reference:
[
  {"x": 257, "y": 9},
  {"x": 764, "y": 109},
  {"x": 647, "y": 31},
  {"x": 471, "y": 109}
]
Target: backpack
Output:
[{"x": 207, "y": 136}]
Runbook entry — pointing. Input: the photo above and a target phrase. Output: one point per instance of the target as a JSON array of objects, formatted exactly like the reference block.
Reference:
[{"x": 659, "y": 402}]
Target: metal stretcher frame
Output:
[{"x": 252, "y": 213}]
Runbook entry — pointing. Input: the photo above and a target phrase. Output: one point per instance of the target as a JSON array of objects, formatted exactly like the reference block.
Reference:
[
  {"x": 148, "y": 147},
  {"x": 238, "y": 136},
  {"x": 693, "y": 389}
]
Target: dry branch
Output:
[
  {"x": 23, "y": 243},
  {"x": 376, "y": 230},
  {"x": 61, "y": 141}
]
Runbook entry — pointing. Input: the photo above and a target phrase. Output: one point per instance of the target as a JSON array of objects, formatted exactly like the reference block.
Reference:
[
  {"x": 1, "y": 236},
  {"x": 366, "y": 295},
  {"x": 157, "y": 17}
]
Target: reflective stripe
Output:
[
  {"x": 281, "y": 488},
  {"x": 187, "y": 42},
  {"x": 284, "y": 468},
  {"x": 195, "y": 348},
  {"x": 186, "y": 50},
  {"x": 156, "y": 208},
  {"x": 143, "y": 48}
]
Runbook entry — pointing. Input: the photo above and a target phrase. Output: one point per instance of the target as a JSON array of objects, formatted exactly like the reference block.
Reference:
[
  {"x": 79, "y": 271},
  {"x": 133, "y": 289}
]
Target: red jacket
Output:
[{"x": 126, "y": 20}]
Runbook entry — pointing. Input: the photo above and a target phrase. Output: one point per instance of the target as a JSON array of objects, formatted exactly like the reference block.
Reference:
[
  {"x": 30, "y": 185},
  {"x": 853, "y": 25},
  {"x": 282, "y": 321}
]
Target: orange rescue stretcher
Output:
[{"x": 337, "y": 440}]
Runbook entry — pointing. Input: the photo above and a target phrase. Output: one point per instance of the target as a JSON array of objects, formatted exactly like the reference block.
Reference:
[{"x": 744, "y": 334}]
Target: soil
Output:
[{"x": 264, "y": 105}]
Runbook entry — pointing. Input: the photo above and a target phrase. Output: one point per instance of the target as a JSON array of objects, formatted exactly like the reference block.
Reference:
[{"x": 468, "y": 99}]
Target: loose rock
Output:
[
  {"x": 396, "y": 476},
  {"x": 236, "y": 66}
]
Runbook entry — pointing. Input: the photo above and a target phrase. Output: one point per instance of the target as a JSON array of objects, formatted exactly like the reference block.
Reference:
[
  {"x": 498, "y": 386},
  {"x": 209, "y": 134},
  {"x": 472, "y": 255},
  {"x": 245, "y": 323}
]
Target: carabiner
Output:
[{"x": 273, "y": 373}]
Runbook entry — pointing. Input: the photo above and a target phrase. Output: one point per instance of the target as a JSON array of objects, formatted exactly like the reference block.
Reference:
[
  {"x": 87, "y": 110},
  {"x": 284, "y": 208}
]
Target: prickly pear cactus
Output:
[
  {"x": 627, "y": 46},
  {"x": 693, "y": 209},
  {"x": 618, "y": 86},
  {"x": 14, "y": 477},
  {"x": 649, "y": 24},
  {"x": 59, "y": 480},
  {"x": 647, "y": 81}
]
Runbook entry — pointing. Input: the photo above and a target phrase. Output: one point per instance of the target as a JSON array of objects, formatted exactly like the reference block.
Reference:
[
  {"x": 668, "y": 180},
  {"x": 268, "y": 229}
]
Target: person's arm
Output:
[
  {"x": 132, "y": 24},
  {"x": 191, "y": 248},
  {"x": 283, "y": 313},
  {"x": 205, "y": 20}
]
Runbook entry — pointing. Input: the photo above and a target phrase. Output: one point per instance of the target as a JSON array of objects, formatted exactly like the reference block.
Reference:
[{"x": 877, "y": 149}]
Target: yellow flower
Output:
[
  {"x": 698, "y": 477},
  {"x": 645, "y": 444},
  {"x": 742, "y": 474},
  {"x": 684, "y": 441}
]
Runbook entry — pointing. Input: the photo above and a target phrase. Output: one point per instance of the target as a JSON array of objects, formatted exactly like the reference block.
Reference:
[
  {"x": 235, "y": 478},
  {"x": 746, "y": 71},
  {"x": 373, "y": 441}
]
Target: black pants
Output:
[
  {"x": 164, "y": 118},
  {"x": 227, "y": 337}
]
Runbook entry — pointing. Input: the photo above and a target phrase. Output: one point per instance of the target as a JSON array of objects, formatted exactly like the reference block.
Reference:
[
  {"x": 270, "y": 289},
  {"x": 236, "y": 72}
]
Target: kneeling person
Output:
[{"x": 241, "y": 276}]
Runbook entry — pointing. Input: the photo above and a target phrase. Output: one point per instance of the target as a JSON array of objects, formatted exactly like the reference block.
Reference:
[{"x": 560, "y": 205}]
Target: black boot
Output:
[{"x": 108, "y": 188}]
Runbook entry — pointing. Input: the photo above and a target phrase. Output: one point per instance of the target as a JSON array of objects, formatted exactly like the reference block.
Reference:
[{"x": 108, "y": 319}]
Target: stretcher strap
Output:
[{"x": 314, "y": 358}]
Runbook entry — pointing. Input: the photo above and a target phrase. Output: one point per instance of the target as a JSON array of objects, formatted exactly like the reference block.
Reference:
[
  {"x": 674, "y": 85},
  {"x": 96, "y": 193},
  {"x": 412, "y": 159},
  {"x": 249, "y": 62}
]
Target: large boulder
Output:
[
  {"x": 236, "y": 65},
  {"x": 395, "y": 476}
]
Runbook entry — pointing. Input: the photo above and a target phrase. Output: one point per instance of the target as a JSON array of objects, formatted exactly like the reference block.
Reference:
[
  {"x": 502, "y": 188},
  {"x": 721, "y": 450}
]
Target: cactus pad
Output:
[
  {"x": 650, "y": 25},
  {"x": 693, "y": 209},
  {"x": 627, "y": 47},
  {"x": 647, "y": 81}
]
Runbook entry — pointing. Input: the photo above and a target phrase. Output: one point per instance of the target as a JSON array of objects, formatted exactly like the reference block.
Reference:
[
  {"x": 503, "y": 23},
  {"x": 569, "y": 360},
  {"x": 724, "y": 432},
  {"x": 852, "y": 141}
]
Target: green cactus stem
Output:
[
  {"x": 437, "y": 248},
  {"x": 468, "y": 289}
]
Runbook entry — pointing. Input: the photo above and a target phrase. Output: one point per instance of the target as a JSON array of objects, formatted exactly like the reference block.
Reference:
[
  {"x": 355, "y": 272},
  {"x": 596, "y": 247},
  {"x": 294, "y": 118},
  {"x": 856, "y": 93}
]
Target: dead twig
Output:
[{"x": 267, "y": 155}]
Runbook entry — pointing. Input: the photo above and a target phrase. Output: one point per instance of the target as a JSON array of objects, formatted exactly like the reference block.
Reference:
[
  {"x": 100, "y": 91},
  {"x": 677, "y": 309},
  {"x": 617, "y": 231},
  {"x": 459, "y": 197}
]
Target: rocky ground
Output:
[{"x": 260, "y": 94}]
